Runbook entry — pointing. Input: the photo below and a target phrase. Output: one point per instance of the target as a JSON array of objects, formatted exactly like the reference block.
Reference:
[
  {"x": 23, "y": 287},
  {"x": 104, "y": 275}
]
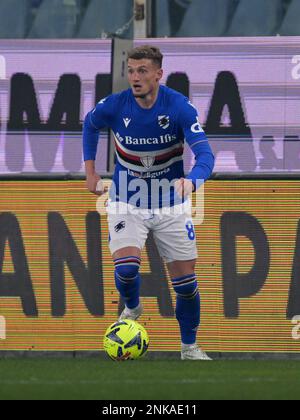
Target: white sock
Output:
[
  {"x": 133, "y": 309},
  {"x": 187, "y": 346}
]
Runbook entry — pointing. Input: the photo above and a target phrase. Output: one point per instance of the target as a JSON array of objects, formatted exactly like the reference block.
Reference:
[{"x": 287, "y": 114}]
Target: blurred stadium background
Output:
[
  {"x": 239, "y": 62},
  {"x": 168, "y": 18}
]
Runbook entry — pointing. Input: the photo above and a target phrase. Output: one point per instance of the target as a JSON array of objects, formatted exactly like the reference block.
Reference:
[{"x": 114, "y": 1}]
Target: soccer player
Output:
[{"x": 150, "y": 123}]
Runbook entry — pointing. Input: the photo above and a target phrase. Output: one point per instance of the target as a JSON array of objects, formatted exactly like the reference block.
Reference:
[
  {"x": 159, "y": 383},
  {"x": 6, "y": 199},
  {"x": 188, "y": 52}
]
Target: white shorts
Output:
[{"x": 172, "y": 228}]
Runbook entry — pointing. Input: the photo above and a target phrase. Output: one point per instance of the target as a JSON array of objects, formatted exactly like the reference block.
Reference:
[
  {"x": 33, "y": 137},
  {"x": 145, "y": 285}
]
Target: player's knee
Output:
[
  {"x": 179, "y": 268},
  {"x": 127, "y": 268},
  {"x": 127, "y": 272}
]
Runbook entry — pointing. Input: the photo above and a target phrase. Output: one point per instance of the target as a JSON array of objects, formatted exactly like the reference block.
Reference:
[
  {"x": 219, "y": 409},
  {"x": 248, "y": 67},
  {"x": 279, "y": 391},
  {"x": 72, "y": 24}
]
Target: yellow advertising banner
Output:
[{"x": 57, "y": 289}]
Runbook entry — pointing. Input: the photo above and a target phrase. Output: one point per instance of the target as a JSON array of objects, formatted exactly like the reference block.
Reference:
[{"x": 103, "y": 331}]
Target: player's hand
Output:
[
  {"x": 95, "y": 185},
  {"x": 184, "y": 187}
]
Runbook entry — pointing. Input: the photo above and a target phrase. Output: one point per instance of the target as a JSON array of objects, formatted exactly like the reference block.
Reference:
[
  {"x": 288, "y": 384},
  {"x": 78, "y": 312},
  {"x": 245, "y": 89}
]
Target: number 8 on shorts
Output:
[{"x": 190, "y": 230}]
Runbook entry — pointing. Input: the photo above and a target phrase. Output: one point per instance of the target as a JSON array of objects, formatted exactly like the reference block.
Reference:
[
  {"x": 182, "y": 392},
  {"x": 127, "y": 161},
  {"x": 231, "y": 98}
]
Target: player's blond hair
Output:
[{"x": 146, "y": 51}]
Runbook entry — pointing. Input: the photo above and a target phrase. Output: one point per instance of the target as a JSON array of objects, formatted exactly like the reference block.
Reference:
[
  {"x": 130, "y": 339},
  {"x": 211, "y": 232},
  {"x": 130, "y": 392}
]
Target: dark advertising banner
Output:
[
  {"x": 57, "y": 287},
  {"x": 246, "y": 90},
  {"x": 46, "y": 89}
]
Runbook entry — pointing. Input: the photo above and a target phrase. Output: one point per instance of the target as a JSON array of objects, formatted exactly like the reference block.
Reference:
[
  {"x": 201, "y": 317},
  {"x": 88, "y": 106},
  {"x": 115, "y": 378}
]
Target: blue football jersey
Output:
[{"x": 149, "y": 145}]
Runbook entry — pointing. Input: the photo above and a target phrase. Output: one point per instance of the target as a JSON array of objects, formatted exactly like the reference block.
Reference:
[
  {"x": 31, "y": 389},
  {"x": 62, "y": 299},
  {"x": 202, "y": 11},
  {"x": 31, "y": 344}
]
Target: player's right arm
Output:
[
  {"x": 94, "y": 121},
  {"x": 93, "y": 181}
]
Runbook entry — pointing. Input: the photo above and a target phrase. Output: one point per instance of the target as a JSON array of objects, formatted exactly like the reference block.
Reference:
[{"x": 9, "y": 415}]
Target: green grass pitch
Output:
[{"x": 98, "y": 379}]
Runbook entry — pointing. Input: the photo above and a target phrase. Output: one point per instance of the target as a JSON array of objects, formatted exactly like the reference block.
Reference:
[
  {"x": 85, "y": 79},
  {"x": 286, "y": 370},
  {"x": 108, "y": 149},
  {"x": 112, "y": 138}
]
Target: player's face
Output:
[{"x": 143, "y": 76}]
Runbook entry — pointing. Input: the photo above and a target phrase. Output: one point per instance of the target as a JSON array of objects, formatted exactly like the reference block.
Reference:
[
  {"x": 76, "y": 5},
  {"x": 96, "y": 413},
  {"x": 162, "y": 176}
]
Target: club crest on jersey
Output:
[
  {"x": 147, "y": 161},
  {"x": 164, "y": 121}
]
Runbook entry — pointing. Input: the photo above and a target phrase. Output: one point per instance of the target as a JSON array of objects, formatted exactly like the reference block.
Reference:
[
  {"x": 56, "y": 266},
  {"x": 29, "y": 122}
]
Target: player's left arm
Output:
[{"x": 198, "y": 142}]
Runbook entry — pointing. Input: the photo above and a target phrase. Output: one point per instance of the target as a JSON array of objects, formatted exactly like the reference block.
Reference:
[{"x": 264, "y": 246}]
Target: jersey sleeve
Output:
[
  {"x": 100, "y": 117},
  {"x": 198, "y": 142}
]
